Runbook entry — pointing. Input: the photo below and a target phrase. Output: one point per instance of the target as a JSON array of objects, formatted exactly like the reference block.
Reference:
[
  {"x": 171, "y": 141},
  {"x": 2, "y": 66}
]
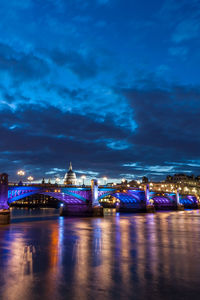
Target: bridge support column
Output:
[
  {"x": 198, "y": 203},
  {"x": 89, "y": 208},
  {"x": 76, "y": 210},
  {"x": 150, "y": 208},
  {"x": 4, "y": 208},
  {"x": 178, "y": 204},
  {"x": 97, "y": 209}
]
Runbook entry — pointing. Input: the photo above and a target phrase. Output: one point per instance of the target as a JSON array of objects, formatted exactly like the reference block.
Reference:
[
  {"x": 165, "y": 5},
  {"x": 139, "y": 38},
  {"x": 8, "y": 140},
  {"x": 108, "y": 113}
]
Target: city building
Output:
[
  {"x": 180, "y": 178},
  {"x": 70, "y": 176}
]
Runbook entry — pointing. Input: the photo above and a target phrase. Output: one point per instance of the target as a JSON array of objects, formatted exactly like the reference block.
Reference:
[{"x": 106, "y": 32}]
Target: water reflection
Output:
[{"x": 141, "y": 256}]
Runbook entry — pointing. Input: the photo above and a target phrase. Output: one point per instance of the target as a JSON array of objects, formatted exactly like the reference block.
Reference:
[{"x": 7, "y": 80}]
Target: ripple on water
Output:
[{"x": 133, "y": 256}]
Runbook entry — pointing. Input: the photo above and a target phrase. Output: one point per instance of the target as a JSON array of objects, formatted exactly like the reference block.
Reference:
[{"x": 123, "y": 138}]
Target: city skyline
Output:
[
  {"x": 81, "y": 178},
  {"x": 111, "y": 86}
]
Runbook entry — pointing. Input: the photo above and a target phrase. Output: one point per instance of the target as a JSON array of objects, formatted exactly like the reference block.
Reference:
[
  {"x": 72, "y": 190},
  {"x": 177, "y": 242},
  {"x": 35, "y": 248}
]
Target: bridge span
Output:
[{"x": 84, "y": 201}]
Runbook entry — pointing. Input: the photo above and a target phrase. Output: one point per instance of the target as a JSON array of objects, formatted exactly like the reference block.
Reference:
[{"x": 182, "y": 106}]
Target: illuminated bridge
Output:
[{"x": 84, "y": 201}]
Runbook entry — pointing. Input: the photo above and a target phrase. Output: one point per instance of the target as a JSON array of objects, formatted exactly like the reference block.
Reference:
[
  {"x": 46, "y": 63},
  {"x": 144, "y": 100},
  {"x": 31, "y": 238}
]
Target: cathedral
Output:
[{"x": 70, "y": 176}]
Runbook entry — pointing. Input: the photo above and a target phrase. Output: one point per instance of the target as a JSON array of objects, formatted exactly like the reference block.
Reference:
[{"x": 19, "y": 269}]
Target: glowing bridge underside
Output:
[
  {"x": 80, "y": 195},
  {"x": 67, "y": 195},
  {"x": 169, "y": 200},
  {"x": 189, "y": 201},
  {"x": 130, "y": 198}
]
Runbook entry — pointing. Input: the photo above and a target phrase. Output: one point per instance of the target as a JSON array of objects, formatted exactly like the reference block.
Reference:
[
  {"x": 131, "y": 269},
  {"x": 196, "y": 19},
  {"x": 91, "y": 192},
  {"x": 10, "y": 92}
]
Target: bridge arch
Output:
[
  {"x": 189, "y": 201},
  {"x": 163, "y": 200},
  {"x": 63, "y": 195},
  {"x": 129, "y": 199}
]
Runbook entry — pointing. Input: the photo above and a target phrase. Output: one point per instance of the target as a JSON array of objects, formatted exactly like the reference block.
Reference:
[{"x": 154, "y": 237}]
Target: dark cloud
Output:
[
  {"x": 22, "y": 66},
  {"x": 167, "y": 119},
  {"x": 167, "y": 132},
  {"x": 84, "y": 66},
  {"x": 75, "y": 85},
  {"x": 46, "y": 137}
]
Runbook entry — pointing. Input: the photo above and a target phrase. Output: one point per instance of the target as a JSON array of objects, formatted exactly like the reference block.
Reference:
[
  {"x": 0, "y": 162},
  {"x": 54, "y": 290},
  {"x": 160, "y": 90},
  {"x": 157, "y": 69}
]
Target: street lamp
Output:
[
  {"x": 105, "y": 180},
  {"x": 21, "y": 173},
  {"x": 30, "y": 178},
  {"x": 83, "y": 178}
]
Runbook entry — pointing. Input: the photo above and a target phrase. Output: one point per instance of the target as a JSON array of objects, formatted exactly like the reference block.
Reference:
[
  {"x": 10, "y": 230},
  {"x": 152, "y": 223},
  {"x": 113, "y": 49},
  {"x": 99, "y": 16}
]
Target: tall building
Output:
[{"x": 70, "y": 176}]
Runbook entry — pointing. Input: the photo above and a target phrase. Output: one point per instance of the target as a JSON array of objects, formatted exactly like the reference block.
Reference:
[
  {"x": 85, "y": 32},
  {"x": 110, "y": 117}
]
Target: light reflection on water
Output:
[{"x": 134, "y": 256}]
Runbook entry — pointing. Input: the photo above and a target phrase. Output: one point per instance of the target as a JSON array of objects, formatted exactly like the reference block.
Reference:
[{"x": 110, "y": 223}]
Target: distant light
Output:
[
  {"x": 61, "y": 205},
  {"x": 30, "y": 178},
  {"x": 21, "y": 173},
  {"x": 105, "y": 178}
]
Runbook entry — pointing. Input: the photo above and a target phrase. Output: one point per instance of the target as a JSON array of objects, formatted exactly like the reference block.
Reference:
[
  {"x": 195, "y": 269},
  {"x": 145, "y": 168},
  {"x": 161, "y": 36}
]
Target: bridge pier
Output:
[
  {"x": 97, "y": 209},
  {"x": 179, "y": 206},
  {"x": 150, "y": 208},
  {"x": 4, "y": 208},
  {"x": 76, "y": 210},
  {"x": 81, "y": 210},
  {"x": 91, "y": 208},
  {"x": 198, "y": 204},
  {"x": 4, "y": 217}
]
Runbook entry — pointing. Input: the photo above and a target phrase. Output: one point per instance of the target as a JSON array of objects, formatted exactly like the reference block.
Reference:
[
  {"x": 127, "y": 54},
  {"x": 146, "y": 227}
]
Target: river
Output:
[{"x": 121, "y": 256}]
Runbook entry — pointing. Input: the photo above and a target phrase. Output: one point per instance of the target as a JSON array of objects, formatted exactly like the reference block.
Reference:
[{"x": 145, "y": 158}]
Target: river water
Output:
[{"x": 120, "y": 256}]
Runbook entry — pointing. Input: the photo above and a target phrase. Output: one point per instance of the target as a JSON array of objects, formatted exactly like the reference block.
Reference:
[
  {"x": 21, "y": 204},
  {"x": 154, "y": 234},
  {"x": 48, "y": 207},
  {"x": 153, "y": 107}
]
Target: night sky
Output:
[{"x": 111, "y": 85}]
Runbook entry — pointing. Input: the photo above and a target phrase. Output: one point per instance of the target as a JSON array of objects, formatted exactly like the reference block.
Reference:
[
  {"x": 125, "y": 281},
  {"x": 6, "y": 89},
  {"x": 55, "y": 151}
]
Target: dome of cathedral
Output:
[{"x": 70, "y": 177}]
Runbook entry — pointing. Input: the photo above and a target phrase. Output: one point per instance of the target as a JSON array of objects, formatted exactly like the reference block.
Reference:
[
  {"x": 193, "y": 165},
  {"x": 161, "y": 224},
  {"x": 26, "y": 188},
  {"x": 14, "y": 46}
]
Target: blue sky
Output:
[{"x": 111, "y": 85}]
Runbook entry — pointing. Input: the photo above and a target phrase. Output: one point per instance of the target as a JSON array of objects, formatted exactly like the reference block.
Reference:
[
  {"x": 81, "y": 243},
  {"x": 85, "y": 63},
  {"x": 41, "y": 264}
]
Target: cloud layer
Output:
[{"x": 112, "y": 87}]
